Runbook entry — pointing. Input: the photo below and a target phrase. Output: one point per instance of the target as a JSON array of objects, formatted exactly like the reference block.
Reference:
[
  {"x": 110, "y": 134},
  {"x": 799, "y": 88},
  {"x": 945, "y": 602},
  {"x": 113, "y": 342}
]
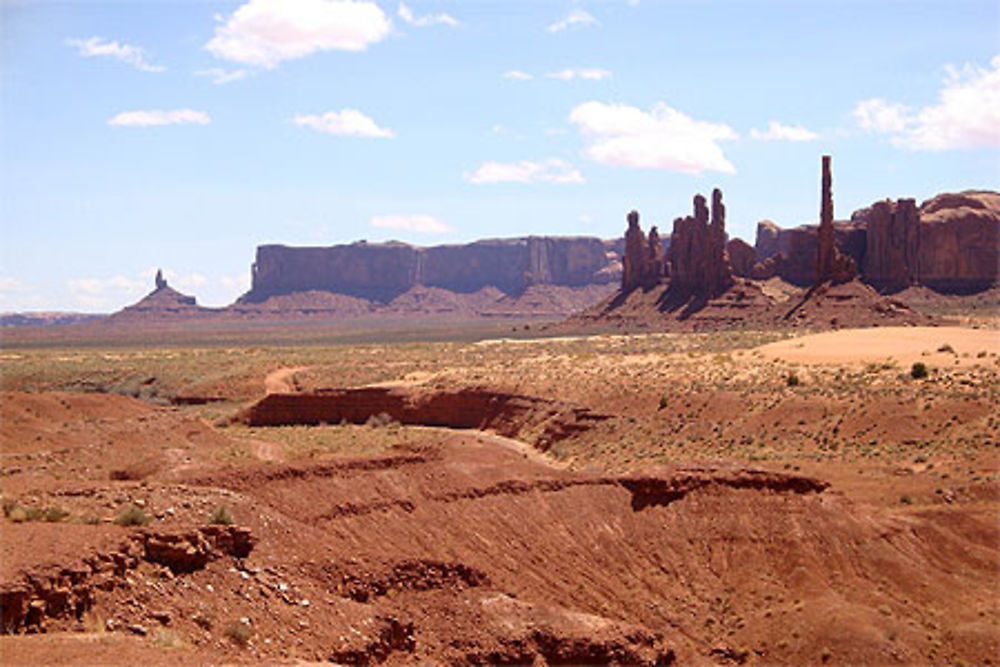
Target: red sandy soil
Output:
[{"x": 459, "y": 548}]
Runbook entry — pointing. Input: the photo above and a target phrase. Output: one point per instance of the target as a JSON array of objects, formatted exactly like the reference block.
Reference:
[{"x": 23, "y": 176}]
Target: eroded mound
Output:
[{"x": 456, "y": 549}]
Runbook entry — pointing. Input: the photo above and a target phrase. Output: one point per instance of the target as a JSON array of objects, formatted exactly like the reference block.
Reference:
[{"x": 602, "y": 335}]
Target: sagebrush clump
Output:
[
  {"x": 221, "y": 516},
  {"x": 133, "y": 516}
]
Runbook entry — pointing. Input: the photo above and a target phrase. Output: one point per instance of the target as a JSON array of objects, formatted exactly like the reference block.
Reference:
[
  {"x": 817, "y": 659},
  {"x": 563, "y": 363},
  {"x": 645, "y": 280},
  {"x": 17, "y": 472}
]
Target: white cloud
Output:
[
  {"x": 221, "y": 76},
  {"x": 517, "y": 75},
  {"x": 778, "y": 132},
  {"x": 100, "y": 293},
  {"x": 265, "y": 32},
  {"x": 154, "y": 117},
  {"x": 588, "y": 74},
  {"x": 877, "y": 115},
  {"x": 8, "y": 284},
  {"x": 967, "y": 114},
  {"x": 577, "y": 18},
  {"x": 407, "y": 15},
  {"x": 422, "y": 224},
  {"x": 347, "y": 123},
  {"x": 126, "y": 53},
  {"x": 664, "y": 138},
  {"x": 239, "y": 283},
  {"x": 552, "y": 170}
]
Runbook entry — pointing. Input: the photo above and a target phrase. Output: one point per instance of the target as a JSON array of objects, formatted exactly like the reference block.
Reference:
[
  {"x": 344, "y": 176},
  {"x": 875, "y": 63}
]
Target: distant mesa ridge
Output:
[{"x": 383, "y": 271}]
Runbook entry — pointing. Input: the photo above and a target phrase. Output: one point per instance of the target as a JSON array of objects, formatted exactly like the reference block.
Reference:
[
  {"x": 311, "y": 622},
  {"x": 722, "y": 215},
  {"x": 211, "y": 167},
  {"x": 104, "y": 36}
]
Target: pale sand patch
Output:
[{"x": 903, "y": 345}]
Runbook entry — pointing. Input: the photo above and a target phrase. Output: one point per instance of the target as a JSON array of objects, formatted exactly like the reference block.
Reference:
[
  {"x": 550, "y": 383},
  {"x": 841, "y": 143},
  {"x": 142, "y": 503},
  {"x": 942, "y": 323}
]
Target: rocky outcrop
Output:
[
  {"x": 892, "y": 254},
  {"x": 652, "y": 268},
  {"x": 635, "y": 254},
  {"x": 791, "y": 253},
  {"x": 382, "y": 271},
  {"x": 831, "y": 265},
  {"x": 642, "y": 263},
  {"x": 162, "y": 301},
  {"x": 960, "y": 241},
  {"x": 767, "y": 243},
  {"x": 741, "y": 257},
  {"x": 538, "y": 420},
  {"x": 697, "y": 258},
  {"x": 67, "y": 592}
]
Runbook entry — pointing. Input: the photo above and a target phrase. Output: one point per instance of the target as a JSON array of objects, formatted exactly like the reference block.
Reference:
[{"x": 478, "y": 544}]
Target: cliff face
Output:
[
  {"x": 791, "y": 253},
  {"x": 385, "y": 270},
  {"x": 960, "y": 241},
  {"x": 951, "y": 244}
]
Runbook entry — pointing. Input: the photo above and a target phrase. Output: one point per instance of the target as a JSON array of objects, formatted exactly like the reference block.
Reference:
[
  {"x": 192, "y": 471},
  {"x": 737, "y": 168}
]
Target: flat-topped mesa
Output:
[
  {"x": 635, "y": 254},
  {"x": 697, "y": 258},
  {"x": 831, "y": 265}
]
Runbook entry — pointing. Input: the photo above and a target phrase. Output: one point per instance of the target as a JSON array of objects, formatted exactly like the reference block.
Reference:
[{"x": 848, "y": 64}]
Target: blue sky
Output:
[{"x": 181, "y": 135}]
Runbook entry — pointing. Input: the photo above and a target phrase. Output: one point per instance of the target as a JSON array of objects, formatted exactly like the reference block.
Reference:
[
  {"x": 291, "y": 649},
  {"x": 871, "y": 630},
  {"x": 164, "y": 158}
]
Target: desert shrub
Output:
[
  {"x": 906, "y": 500},
  {"x": 918, "y": 370},
  {"x": 238, "y": 632},
  {"x": 221, "y": 516},
  {"x": 17, "y": 514},
  {"x": 132, "y": 516},
  {"x": 663, "y": 401},
  {"x": 946, "y": 348},
  {"x": 92, "y": 520},
  {"x": 381, "y": 419},
  {"x": 55, "y": 514},
  {"x": 792, "y": 380}
]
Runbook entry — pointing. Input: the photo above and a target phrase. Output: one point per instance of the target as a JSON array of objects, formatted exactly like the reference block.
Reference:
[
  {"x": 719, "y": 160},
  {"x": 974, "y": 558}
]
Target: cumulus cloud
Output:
[
  {"x": 263, "y": 33},
  {"x": 967, "y": 114},
  {"x": 407, "y": 15},
  {"x": 104, "y": 292},
  {"x": 422, "y": 224},
  {"x": 155, "y": 117},
  {"x": 346, "y": 123},
  {"x": 552, "y": 170},
  {"x": 221, "y": 76},
  {"x": 517, "y": 75},
  {"x": 664, "y": 138},
  {"x": 577, "y": 18},
  {"x": 587, "y": 74},
  {"x": 777, "y": 132},
  {"x": 877, "y": 115},
  {"x": 96, "y": 47}
]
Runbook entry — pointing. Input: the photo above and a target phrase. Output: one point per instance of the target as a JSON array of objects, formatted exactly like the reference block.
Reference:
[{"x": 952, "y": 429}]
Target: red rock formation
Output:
[
  {"x": 382, "y": 271},
  {"x": 767, "y": 240},
  {"x": 635, "y": 254},
  {"x": 831, "y": 265},
  {"x": 652, "y": 268},
  {"x": 741, "y": 257},
  {"x": 697, "y": 255},
  {"x": 960, "y": 241},
  {"x": 892, "y": 249},
  {"x": 719, "y": 272}
]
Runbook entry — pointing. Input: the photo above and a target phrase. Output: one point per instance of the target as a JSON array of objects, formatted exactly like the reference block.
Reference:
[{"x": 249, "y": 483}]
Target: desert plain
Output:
[{"x": 299, "y": 496}]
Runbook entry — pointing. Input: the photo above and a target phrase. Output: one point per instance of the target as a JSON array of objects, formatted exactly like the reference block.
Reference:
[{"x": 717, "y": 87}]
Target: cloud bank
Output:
[{"x": 663, "y": 138}]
